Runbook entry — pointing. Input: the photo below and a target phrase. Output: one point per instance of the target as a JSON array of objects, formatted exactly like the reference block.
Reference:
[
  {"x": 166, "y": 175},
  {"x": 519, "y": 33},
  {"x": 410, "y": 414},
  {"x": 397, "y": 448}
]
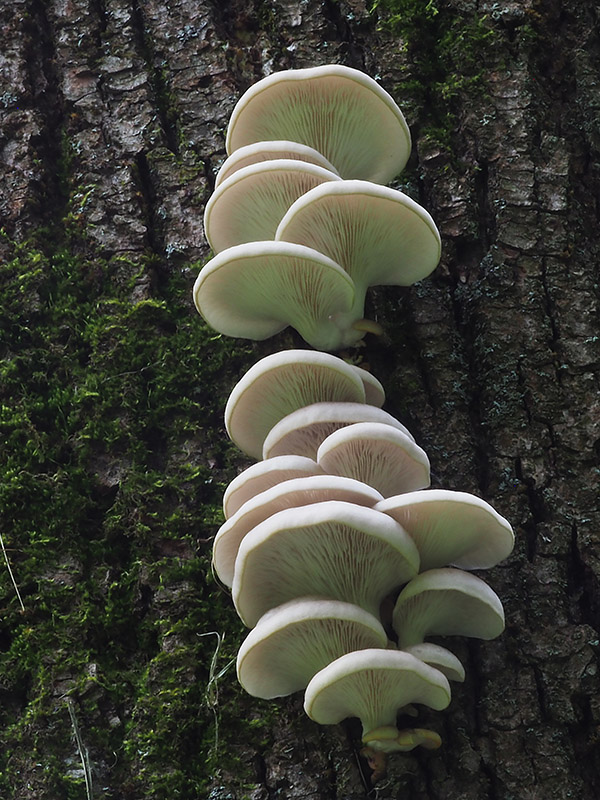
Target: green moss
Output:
[
  {"x": 446, "y": 50},
  {"x": 114, "y": 460}
]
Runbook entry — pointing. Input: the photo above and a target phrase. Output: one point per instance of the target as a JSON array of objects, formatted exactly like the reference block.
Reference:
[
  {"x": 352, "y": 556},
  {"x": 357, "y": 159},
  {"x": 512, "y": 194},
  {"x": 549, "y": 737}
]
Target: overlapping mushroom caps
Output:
[
  {"x": 335, "y": 522},
  {"x": 289, "y": 134},
  {"x": 293, "y": 528}
]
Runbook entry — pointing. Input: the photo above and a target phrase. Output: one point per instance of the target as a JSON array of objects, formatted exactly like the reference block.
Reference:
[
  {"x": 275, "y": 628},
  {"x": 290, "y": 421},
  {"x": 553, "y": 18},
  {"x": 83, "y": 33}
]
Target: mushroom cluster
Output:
[
  {"x": 299, "y": 221},
  {"x": 340, "y": 558}
]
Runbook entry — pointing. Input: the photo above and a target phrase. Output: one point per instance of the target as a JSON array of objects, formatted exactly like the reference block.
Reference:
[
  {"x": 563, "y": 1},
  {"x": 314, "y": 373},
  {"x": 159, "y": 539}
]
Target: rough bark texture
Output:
[{"x": 116, "y": 677}]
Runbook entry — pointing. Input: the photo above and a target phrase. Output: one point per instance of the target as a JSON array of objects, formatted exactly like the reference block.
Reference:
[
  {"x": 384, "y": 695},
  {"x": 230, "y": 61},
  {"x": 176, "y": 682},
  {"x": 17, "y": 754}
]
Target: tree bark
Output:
[{"x": 116, "y": 670}]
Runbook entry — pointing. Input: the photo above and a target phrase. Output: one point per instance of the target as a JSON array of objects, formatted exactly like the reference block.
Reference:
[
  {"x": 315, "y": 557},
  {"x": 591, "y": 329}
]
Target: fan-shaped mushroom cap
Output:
[
  {"x": 333, "y": 549},
  {"x": 248, "y": 206},
  {"x": 341, "y": 112},
  {"x": 261, "y": 476},
  {"x": 257, "y": 289},
  {"x": 281, "y": 383},
  {"x": 447, "y": 602},
  {"x": 373, "y": 685},
  {"x": 292, "y": 642},
  {"x": 439, "y": 657},
  {"x": 303, "y": 431},
  {"x": 266, "y": 151},
  {"x": 374, "y": 391},
  {"x": 378, "y": 235},
  {"x": 452, "y": 528},
  {"x": 377, "y": 454},
  {"x": 289, "y": 494}
]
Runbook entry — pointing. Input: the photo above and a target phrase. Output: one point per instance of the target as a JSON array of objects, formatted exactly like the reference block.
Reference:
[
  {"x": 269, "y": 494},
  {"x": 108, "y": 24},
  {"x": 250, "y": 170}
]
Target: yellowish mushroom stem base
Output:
[
  {"x": 369, "y": 326},
  {"x": 389, "y": 739}
]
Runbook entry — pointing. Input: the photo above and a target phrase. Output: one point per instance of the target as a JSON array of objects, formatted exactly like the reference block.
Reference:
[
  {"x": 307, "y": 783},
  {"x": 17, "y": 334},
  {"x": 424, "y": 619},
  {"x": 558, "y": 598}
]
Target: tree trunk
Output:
[{"x": 116, "y": 671}]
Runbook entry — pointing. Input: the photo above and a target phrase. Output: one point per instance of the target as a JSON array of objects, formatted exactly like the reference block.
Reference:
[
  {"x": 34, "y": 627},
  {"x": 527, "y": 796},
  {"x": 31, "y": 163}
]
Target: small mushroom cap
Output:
[
  {"x": 439, "y": 657},
  {"x": 452, "y": 528},
  {"x": 373, "y": 685},
  {"x": 333, "y": 549},
  {"x": 265, "y": 151},
  {"x": 303, "y": 431},
  {"x": 374, "y": 391},
  {"x": 378, "y": 235},
  {"x": 377, "y": 454},
  {"x": 257, "y": 289},
  {"x": 281, "y": 383},
  {"x": 289, "y": 494},
  {"x": 294, "y": 641},
  {"x": 261, "y": 476},
  {"x": 341, "y": 112},
  {"x": 447, "y": 602},
  {"x": 248, "y": 206}
]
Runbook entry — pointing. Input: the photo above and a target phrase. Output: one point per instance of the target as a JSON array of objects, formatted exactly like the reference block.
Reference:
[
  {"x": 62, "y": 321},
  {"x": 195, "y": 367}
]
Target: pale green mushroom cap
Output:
[
  {"x": 262, "y": 476},
  {"x": 387, "y": 459},
  {"x": 303, "y": 431},
  {"x": 282, "y": 383},
  {"x": 266, "y": 151},
  {"x": 439, "y": 657},
  {"x": 257, "y": 289},
  {"x": 333, "y": 549},
  {"x": 450, "y": 527},
  {"x": 288, "y": 494},
  {"x": 373, "y": 685},
  {"x": 339, "y": 111},
  {"x": 294, "y": 641},
  {"x": 248, "y": 206},
  {"x": 447, "y": 602},
  {"x": 377, "y": 234}
]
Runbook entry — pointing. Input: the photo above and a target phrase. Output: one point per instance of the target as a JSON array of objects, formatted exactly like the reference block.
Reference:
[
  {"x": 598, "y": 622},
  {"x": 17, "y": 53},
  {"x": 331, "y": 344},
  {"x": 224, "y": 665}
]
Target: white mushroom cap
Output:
[
  {"x": 281, "y": 383},
  {"x": 341, "y": 112},
  {"x": 378, "y": 235},
  {"x": 374, "y": 391},
  {"x": 303, "y": 431},
  {"x": 373, "y": 685},
  {"x": 289, "y": 494},
  {"x": 452, "y": 528},
  {"x": 377, "y": 454},
  {"x": 248, "y": 206},
  {"x": 447, "y": 602},
  {"x": 439, "y": 657},
  {"x": 292, "y": 642},
  {"x": 333, "y": 549},
  {"x": 261, "y": 476},
  {"x": 265, "y": 151},
  {"x": 257, "y": 289}
]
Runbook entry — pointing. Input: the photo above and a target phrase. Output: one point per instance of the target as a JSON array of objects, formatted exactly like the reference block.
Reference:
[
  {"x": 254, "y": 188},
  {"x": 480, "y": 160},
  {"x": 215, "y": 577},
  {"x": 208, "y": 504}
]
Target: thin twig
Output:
[
  {"x": 10, "y": 572},
  {"x": 82, "y": 750},
  {"x": 211, "y": 695}
]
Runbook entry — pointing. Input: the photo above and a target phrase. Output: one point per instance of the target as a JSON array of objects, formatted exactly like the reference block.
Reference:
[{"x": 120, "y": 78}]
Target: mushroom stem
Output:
[
  {"x": 368, "y": 326},
  {"x": 389, "y": 739}
]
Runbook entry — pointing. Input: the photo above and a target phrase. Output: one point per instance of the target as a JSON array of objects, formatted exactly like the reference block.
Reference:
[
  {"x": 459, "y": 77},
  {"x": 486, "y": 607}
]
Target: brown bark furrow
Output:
[
  {"x": 105, "y": 86},
  {"x": 22, "y": 122}
]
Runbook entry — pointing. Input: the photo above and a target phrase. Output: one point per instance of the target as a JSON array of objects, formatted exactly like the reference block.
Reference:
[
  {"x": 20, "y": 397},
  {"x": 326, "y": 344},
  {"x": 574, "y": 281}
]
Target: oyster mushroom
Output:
[
  {"x": 288, "y": 494},
  {"x": 339, "y": 111},
  {"x": 450, "y": 527},
  {"x": 294, "y": 641},
  {"x": 256, "y": 289},
  {"x": 446, "y": 602},
  {"x": 373, "y": 685},
  {"x": 333, "y": 549},
  {"x": 284, "y": 382},
  {"x": 265, "y": 151},
  {"x": 249, "y": 204},
  {"x": 301, "y": 432},
  {"x": 373, "y": 453}
]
